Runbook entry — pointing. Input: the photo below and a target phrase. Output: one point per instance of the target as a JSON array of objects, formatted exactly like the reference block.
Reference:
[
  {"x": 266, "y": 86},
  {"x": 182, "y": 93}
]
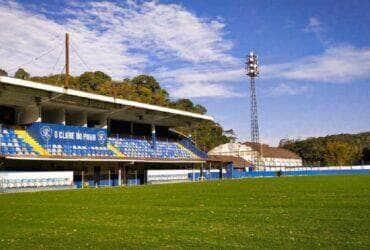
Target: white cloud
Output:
[
  {"x": 122, "y": 40},
  {"x": 26, "y": 35},
  {"x": 315, "y": 27},
  {"x": 201, "y": 81},
  {"x": 286, "y": 89},
  {"x": 335, "y": 65},
  {"x": 199, "y": 90}
]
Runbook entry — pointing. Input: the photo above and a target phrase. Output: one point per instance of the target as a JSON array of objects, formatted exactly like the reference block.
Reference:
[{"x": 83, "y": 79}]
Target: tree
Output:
[
  {"x": 146, "y": 81},
  {"x": 231, "y": 134},
  {"x": 90, "y": 81},
  {"x": 285, "y": 142},
  {"x": 339, "y": 153},
  {"x": 3, "y": 72},
  {"x": 366, "y": 155},
  {"x": 184, "y": 104},
  {"x": 188, "y": 105},
  {"x": 200, "y": 109},
  {"x": 321, "y": 150},
  {"x": 22, "y": 74}
]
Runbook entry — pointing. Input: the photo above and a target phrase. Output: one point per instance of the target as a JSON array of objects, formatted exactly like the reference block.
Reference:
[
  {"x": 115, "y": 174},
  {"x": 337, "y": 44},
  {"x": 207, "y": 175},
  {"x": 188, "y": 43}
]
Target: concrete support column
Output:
[
  {"x": 84, "y": 119},
  {"x": 27, "y": 115},
  {"x": 82, "y": 178},
  {"x": 221, "y": 168},
  {"x": 109, "y": 177},
  {"x": 124, "y": 179},
  {"x": 136, "y": 177},
  {"x": 76, "y": 119},
  {"x": 193, "y": 173},
  {"x": 60, "y": 116},
  {"x": 119, "y": 176},
  {"x": 201, "y": 174},
  {"x": 56, "y": 116},
  {"x": 103, "y": 121},
  {"x": 97, "y": 176},
  {"x": 39, "y": 119},
  {"x": 154, "y": 139}
]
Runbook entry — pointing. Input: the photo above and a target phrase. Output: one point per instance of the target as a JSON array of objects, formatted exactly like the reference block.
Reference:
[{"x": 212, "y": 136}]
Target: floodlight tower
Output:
[{"x": 252, "y": 68}]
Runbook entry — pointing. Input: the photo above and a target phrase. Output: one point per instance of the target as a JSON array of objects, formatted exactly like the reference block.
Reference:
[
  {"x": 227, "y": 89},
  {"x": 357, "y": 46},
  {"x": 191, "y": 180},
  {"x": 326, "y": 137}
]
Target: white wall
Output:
[
  {"x": 366, "y": 167},
  {"x": 241, "y": 150},
  {"x": 174, "y": 174},
  {"x": 233, "y": 149},
  {"x": 35, "y": 179},
  {"x": 14, "y": 175}
]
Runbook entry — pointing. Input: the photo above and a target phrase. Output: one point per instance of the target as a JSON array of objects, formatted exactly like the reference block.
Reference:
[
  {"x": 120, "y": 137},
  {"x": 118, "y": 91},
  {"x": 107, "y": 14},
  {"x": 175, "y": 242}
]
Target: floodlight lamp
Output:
[{"x": 252, "y": 65}]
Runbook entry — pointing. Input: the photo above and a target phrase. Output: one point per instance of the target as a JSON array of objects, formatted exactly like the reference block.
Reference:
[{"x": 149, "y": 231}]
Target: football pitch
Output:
[{"x": 289, "y": 212}]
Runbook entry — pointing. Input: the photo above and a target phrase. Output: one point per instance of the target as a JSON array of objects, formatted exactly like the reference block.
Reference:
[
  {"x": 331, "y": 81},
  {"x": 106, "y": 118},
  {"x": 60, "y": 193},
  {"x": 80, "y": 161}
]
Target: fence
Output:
[
  {"x": 298, "y": 171},
  {"x": 207, "y": 175},
  {"x": 22, "y": 180}
]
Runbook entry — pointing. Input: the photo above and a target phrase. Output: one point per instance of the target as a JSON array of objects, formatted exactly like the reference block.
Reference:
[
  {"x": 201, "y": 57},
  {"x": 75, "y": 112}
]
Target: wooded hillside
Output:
[{"x": 342, "y": 149}]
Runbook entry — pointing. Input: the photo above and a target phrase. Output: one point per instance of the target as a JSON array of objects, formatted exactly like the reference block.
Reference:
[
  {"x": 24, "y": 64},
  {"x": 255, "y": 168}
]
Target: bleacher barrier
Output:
[
  {"x": 23, "y": 181},
  {"x": 133, "y": 182},
  {"x": 208, "y": 175},
  {"x": 63, "y": 140},
  {"x": 165, "y": 176}
]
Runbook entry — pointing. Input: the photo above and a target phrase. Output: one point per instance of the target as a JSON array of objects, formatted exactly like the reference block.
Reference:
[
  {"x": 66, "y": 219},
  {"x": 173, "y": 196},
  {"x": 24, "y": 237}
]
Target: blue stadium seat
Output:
[
  {"x": 142, "y": 148},
  {"x": 77, "y": 149},
  {"x": 12, "y": 144}
]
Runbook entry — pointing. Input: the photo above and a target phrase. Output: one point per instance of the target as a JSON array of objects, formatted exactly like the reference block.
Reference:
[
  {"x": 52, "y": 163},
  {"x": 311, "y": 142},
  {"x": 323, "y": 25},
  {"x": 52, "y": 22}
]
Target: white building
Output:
[{"x": 270, "y": 156}]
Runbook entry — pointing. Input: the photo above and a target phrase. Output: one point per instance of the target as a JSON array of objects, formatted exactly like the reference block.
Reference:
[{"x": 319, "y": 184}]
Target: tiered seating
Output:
[
  {"x": 12, "y": 144},
  {"x": 132, "y": 147},
  {"x": 141, "y": 148},
  {"x": 78, "y": 150},
  {"x": 166, "y": 149},
  {"x": 16, "y": 143}
]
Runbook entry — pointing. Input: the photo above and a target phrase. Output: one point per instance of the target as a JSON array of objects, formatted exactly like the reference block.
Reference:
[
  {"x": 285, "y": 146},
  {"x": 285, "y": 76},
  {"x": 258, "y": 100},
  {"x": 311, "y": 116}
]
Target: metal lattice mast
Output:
[
  {"x": 253, "y": 72},
  {"x": 254, "y": 114}
]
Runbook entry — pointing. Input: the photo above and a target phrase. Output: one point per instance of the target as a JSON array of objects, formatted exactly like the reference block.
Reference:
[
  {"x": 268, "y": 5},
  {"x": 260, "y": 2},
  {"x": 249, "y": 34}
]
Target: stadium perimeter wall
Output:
[
  {"x": 299, "y": 171},
  {"x": 13, "y": 181}
]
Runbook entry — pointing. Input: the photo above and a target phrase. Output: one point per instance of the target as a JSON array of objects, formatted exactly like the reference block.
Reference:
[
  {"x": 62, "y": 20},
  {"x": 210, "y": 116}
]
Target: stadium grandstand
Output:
[{"x": 102, "y": 140}]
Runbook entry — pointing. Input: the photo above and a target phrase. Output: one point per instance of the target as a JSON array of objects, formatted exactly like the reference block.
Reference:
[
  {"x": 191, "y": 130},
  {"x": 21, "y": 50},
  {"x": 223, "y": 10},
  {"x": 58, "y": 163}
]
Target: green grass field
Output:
[{"x": 290, "y": 212}]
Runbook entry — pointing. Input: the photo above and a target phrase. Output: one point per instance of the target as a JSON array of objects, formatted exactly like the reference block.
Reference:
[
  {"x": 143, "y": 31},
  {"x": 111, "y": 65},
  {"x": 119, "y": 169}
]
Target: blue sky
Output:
[{"x": 315, "y": 55}]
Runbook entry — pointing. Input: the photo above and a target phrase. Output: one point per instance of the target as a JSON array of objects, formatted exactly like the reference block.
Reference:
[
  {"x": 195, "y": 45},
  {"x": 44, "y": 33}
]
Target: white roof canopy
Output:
[{"x": 23, "y": 93}]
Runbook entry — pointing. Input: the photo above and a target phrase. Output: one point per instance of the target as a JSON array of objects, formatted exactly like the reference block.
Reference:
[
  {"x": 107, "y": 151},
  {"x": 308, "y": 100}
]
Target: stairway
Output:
[
  {"x": 187, "y": 150},
  {"x": 28, "y": 139},
  {"x": 115, "y": 150}
]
